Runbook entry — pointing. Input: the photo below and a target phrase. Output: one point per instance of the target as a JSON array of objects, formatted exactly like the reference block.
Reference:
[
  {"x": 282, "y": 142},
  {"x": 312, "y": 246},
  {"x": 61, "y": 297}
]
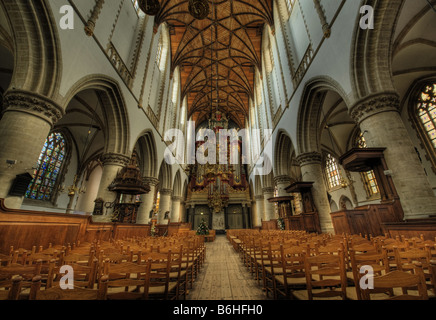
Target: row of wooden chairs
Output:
[
  {"x": 165, "y": 271},
  {"x": 325, "y": 266}
]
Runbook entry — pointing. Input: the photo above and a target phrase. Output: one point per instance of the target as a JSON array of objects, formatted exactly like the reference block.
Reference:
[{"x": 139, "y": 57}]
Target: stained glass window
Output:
[
  {"x": 48, "y": 168},
  {"x": 426, "y": 109},
  {"x": 332, "y": 171},
  {"x": 369, "y": 179}
]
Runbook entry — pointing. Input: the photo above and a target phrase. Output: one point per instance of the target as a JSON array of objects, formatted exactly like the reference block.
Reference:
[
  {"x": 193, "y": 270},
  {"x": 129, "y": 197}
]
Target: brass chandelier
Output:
[{"x": 199, "y": 9}]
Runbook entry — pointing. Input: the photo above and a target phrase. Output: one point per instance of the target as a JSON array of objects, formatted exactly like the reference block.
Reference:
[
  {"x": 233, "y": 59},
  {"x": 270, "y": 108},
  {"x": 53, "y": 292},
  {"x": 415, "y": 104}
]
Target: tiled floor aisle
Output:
[{"x": 223, "y": 276}]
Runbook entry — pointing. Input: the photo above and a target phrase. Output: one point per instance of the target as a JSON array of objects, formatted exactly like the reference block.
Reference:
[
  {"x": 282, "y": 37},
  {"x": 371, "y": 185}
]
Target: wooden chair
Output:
[
  {"x": 57, "y": 293},
  {"x": 127, "y": 280},
  {"x": 85, "y": 276},
  {"x": 325, "y": 277},
  {"x": 160, "y": 286},
  {"x": 272, "y": 267},
  {"x": 293, "y": 276},
  {"x": 398, "y": 280},
  {"x": 11, "y": 289},
  {"x": 378, "y": 261},
  {"x": 26, "y": 274},
  {"x": 407, "y": 260}
]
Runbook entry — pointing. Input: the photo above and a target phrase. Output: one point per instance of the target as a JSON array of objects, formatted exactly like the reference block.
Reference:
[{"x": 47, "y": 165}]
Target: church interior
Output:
[{"x": 217, "y": 149}]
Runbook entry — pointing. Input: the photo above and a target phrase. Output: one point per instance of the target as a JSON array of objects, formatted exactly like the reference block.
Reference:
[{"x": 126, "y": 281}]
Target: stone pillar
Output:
[
  {"x": 24, "y": 128},
  {"x": 112, "y": 164},
  {"x": 259, "y": 211},
  {"x": 269, "y": 213},
  {"x": 175, "y": 211},
  {"x": 282, "y": 182},
  {"x": 379, "y": 119},
  {"x": 147, "y": 200},
  {"x": 164, "y": 205},
  {"x": 312, "y": 171}
]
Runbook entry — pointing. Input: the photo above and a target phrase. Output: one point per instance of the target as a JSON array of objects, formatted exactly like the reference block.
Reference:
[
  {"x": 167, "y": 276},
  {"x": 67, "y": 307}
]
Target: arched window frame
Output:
[
  {"x": 36, "y": 186},
  {"x": 332, "y": 171},
  {"x": 423, "y": 131},
  {"x": 368, "y": 178}
]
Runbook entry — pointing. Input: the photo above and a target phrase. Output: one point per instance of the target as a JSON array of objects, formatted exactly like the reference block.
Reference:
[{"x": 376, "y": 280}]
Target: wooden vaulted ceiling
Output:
[{"x": 217, "y": 56}]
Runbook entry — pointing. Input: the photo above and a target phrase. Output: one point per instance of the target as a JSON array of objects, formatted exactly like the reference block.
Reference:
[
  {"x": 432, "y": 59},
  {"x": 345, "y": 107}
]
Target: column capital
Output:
[
  {"x": 375, "y": 104},
  {"x": 268, "y": 190},
  {"x": 283, "y": 179},
  {"x": 259, "y": 197},
  {"x": 151, "y": 181},
  {"x": 177, "y": 198},
  {"x": 115, "y": 159},
  {"x": 309, "y": 158},
  {"x": 34, "y": 104},
  {"x": 166, "y": 192}
]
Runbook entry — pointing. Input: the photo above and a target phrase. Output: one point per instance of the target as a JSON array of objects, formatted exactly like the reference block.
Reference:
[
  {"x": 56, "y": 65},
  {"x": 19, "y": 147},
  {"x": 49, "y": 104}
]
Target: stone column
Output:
[
  {"x": 269, "y": 213},
  {"x": 175, "y": 211},
  {"x": 164, "y": 205},
  {"x": 282, "y": 182},
  {"x": 24, "y": 128},
  {"x": 259, "y": 211},
  {"x": 312, "y": 171},
  {"x": 379, "y": 119},
  {"x": 112, "y": 164},
  {"x": 147, "y": 199}
]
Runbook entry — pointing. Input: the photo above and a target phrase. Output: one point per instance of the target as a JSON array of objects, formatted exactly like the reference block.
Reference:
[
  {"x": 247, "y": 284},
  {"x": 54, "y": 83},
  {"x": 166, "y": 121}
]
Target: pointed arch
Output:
[
  {"x": 284, "y": 153},
  {"x": 146, "y": 148},
  {"x": 165, "y": 176},
  {"x": 36, "y": 47},
  {"x": 310, "y": 112},
  {"x": 177, "y": 185},
  {"x": 372, "y": 50},
  {"x": 117, "y": 129}
]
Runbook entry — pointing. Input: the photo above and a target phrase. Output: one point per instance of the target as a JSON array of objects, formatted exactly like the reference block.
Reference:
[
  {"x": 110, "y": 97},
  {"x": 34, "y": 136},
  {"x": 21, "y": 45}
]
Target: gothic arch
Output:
[
  {"x": 310, "y": 112},
  {"x": 146, "y": 148},
  {"x": 165, "y": 176},
  {"x": 36, "y": 47},
  {"x": 177, "y": 185},
  {"x": 372, "y": 50},
  {"x": 117, "y": 130},
  {"x": 283, "y": 154}
]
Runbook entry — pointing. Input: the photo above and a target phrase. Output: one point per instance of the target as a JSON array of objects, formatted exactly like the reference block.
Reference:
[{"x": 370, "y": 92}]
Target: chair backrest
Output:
[
  {"x": 58, "y": 293},
  {"x": 160, "y": 271},
  {"x": 126, "y": 275},
  {"x": 399, "y": 279},
  {"x": 326, "y": 271},
  {"x": 27, "y": 272},
  {"x": 405, "y": 259}
]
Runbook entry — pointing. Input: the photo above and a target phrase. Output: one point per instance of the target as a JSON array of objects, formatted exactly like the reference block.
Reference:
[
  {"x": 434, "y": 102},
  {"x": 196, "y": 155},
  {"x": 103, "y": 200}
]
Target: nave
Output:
[{"x": 224, "y": 276}]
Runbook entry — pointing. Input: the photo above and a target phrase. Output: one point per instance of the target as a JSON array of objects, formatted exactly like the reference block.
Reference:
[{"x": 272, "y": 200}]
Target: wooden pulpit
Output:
[
  {"x": 308, "y": 219},
  {"x": 368, "y": 219}
]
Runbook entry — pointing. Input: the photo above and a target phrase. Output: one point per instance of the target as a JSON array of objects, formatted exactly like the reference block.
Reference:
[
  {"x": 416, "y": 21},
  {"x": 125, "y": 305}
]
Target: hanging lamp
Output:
[{"x": 149, "y": 7}]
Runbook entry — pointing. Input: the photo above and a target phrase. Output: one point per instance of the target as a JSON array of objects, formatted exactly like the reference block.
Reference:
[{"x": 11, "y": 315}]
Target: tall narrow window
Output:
[
  {"x": 290, "y": 5},
  {"x": 48, "y": 169},
  {"x": 368, "y": 178},
  {"x": 426, "y": 111},
  {"x": 159, "y": 52},
  {"x": 332, "y": 172},
  {"x": 136, "y": 5}
]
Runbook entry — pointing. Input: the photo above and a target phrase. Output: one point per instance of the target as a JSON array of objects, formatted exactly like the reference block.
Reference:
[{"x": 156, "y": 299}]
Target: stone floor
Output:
[{"x": 223, "y": 276}]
